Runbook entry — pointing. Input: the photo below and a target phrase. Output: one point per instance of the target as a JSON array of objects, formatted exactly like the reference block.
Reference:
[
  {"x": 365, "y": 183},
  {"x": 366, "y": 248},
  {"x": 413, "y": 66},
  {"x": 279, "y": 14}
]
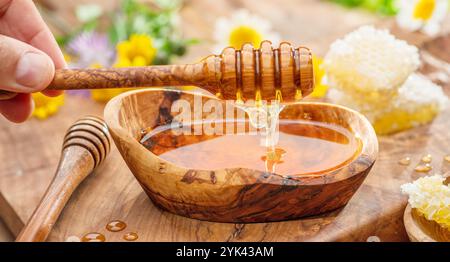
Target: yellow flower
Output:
[
  {"x": 243, "y": 27},
  {"x": 320, "y": 89},
  {"x": 425, "y": 15},
  {"x": 137, "y": 51},
  {"x": 104, "y": 95},
  {"x": 46, "y": 106},
  {"x": 244, "y": 34},
  {"x": 424, "y": 9},
  {"x": 67, "y": 57}
]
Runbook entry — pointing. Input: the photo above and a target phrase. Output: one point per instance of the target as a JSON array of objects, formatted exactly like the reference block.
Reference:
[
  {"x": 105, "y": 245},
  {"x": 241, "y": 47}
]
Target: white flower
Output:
[
  {"x": 88, "y": 12},
  {"x": 243, "y": 27},
  {"x": 424, "y": 15}
]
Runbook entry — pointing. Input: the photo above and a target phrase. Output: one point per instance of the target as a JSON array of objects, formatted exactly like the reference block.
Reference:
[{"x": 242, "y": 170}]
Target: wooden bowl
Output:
[
  {"x": 420, "y": 229},
  {"x": 235, "y": 194}
]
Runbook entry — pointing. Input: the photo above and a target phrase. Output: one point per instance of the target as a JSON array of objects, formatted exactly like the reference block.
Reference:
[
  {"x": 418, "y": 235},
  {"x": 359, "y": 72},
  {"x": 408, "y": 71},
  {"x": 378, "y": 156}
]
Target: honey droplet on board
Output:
[
  {"x": 423, "y": 168},
  {"x": 427, "y": 158},
  {"x": 131, "y": 236},
  {"x": 73, "y": 239},
  {"x": 447, "y": 158},
  {"x": 405, "y": 161},
  {"x": 373, "y": 239},
  {"x": 116, "y": 226},
  {"x": 93, "y": 237}
]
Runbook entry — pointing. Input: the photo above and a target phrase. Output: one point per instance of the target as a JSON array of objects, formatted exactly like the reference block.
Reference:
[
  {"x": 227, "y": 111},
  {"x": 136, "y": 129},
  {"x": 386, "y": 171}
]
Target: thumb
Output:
[{"x": 23, "y": 68}]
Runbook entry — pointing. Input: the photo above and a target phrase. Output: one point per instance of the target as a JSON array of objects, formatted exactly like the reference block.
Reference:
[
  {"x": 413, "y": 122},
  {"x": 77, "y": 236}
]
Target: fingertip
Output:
[
  {"x": 34, "y": 71},
  {"x": 17, "y": 109}
]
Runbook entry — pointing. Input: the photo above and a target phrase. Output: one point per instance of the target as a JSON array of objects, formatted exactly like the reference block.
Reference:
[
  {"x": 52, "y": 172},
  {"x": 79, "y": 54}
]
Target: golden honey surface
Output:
[{"x": 304, "y": 147}]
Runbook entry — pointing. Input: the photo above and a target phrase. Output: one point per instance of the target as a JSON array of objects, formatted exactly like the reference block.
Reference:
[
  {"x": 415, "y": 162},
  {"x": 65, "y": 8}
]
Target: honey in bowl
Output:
[
  {"x": 304, "y": 147},
  {"x": 232, "y": 193}
]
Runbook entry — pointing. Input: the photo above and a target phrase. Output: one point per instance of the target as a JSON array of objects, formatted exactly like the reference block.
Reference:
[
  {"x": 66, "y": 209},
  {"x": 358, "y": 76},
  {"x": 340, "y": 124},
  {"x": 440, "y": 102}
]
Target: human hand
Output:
[{"x": 29, "y": 55}]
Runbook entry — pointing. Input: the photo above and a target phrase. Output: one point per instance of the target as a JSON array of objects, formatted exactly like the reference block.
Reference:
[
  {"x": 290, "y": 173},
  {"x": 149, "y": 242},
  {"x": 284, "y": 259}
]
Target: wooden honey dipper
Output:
[
  {"x": 86, "y": 145},
  {"x": 265, "y": 73}
]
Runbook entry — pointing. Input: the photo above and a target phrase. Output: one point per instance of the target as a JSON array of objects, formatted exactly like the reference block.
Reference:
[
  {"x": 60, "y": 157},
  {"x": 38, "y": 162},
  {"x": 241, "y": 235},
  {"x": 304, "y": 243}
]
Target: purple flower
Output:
[
  {"x": 81, "y": 93},
  {"x": 91, "y": 48}
]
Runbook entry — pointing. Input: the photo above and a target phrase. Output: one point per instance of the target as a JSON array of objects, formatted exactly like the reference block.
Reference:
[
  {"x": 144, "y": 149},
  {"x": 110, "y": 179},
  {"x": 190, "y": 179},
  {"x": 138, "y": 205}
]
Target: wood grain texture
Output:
[
  {"x": 420, "y": 229},
  {"x": 5, "y": 234},
  {"x": 167, "y": 75},
  {"x": 9, "y": 217},
  {"x": 235, "y": 194},
  {"x": 112, "y": 192},
  {"x": 226, "y": 74}
]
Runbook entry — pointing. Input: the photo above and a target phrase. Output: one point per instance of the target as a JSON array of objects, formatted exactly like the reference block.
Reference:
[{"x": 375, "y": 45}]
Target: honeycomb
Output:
[
  {"x": 417, "y": 102},
  {"x": 370, "y": 62}
]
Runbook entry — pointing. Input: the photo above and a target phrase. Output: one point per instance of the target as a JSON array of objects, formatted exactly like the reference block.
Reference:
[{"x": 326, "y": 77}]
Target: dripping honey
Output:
[
  {"x": 304, "y": 147},
  {"x": 299, "y": 148}
]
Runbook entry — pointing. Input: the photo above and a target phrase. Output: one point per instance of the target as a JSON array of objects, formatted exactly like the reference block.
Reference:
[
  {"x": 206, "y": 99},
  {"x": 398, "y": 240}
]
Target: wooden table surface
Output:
[
  {"x": 30, "y": 151},
  {"x": 5, "y": 234}
]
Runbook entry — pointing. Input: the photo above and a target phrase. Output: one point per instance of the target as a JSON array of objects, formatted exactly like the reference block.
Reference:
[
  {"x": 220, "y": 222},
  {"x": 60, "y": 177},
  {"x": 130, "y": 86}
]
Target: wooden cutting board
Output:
[{"x": 29, "y": 154}]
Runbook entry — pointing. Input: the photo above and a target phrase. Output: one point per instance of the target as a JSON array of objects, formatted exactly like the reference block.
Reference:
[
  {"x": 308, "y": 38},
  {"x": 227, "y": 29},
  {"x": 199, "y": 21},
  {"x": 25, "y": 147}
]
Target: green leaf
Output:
[
  {"x": 349, "y": 3},
  {"x": 63, "y": 40}
]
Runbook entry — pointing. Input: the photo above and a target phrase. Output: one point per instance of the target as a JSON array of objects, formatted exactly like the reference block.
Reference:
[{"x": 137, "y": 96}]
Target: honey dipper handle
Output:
[
  {"x": 70, "y": 173},
  {"x": 150, "y": 76},
  {"x": 85, "y": 146}
]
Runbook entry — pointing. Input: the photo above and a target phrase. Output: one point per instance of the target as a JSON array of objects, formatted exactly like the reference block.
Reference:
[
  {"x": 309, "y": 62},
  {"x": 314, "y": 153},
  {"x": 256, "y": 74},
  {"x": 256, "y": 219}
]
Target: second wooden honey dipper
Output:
[
  {"x": 86, "y": 145},
  {"x": 266, "y": 73}
]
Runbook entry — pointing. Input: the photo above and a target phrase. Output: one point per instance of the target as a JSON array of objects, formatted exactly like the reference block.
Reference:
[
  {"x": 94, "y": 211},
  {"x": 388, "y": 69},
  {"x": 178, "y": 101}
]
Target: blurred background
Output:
[{"x": 123, "y": 33}]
